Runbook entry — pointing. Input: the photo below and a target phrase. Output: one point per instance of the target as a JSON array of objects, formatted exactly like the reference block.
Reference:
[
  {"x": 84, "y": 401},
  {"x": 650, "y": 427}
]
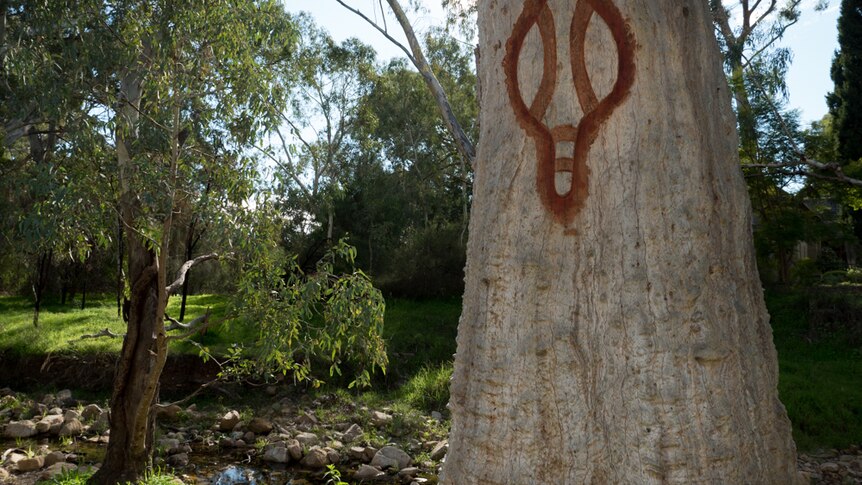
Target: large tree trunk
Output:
[{"x": 614, "y": 329}]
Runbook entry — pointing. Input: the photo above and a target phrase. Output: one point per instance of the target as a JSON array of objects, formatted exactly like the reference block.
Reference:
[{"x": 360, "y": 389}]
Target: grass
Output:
[
  {"x": 152, "y": 477},
  {"x": 820, "y": 381}
]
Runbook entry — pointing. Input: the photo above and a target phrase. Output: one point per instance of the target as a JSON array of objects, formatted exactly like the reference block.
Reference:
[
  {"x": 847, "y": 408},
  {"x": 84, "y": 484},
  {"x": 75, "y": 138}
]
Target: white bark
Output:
[{"x": 628, "y": 341}]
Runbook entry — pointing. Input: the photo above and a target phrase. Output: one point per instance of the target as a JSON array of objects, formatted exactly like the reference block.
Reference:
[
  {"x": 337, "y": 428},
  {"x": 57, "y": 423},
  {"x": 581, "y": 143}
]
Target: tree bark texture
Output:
[{"x": 614, "y": 329}]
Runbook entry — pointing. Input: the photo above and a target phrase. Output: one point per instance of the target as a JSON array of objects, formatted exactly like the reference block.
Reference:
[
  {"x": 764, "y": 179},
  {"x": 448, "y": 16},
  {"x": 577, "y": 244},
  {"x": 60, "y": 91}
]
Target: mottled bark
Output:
[{"x": 625, "y": 340}]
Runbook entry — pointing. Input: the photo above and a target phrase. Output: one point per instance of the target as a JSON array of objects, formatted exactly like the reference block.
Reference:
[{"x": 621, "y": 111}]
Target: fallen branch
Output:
[
  {"x": 105, "y": 332},
  {"x": 839, "y": 175}
]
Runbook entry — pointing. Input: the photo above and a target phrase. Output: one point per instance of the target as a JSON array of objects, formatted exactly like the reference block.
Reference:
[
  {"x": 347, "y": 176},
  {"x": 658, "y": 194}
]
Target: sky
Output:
[{"x": 813, "y": 41}]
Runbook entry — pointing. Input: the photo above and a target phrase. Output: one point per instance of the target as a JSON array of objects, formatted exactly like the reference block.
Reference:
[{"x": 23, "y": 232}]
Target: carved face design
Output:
[{"x": 562, "y": 178}]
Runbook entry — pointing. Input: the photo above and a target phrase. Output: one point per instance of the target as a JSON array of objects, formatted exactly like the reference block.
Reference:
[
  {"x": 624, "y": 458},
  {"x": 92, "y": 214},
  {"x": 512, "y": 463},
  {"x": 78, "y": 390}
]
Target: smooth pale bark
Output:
[{"x": 629, "y": 344}]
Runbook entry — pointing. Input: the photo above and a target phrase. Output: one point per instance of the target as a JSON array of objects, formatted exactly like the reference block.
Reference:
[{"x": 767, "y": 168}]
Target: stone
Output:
[
  {"x": 240, "y": 443},
  {"x": 306, "y": 420},
  {"x": 14, "y": 457},
  {"x": 57, "y": 469},
  {"x": 248, "y": 437},
  {"x": 72, "y": 427},
  {"x": 169, "y": 446},
  {"x": 20, "y": 429},
  {"x": 277, "y": 454},
  {"x": 367, "y": 472},
  {"x": 353, "y": 432},
  {"x": 91, "y": 411},
  {"x": 332, "y": 455},
  {"x": 225, "y": 442},
  {"x": 31, "y": 464},
  {"x": 379, "y": 418},
  {"x": 336, "y": 445},
  {"x": 54, "y": 457},
  {"x": 407, "y": 474},
  {"x": 56, "y": 411},
  {"x": 48, "y": 398},
  {"x": 169, "y": 412},
  {"x": 179, "y": 460},
  {"x": 307, "y": 439},
  {"x": 830, "y": 467},
  {"x": 436, "y": 416},
  {"x": 357, "y": 453},
  {"x": 49, "y": 422},
  {"x": 260, "y": 426},
  {"x": 71, "y": 414},
  {"x": 271, "y": 390},
  {"x": 4, "y": 475},
  {"x": 295, "y": 449},
  {"x": 315, "y": 458},
  {"x": 391, "y": 457},
  {"x": 440, "y": 450},
  {"x": 419, "y": 481},
  {"x": 228, "y": 421},
  {"x": 64, "y": 396}
]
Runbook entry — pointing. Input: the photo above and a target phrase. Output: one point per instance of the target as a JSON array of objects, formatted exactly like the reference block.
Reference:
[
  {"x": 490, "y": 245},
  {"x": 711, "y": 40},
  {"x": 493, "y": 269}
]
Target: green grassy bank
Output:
[{"x": 820, "y": 377}]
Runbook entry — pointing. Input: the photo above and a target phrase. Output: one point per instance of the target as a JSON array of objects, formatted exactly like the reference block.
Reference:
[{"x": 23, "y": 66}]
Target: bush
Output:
[
  {"x": 805, "y": 272},
  {"x": 430, "y": 264},
  {"x": 429, "y": 388}
]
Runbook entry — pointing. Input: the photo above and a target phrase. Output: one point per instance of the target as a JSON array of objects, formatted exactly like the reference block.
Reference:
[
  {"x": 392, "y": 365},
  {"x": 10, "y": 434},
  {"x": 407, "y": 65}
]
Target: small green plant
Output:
[
  {"x": 66, "y": 441},
  {"x": 260, "y": 444},
  {"x": 333, "y": 476}
]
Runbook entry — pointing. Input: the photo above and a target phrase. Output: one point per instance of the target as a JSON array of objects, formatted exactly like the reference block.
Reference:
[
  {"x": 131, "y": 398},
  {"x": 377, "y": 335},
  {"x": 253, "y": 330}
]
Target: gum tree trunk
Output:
[{"x": 614, "y": 329}]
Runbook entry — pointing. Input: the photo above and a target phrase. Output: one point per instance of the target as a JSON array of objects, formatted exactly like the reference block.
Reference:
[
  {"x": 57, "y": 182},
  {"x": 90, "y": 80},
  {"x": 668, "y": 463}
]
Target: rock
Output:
[
  {"x": 295, "y": 449},
  {"x": 277, "y": 454},
  {"x": 391, "y": 457},
  {"x": 271, "y": 390},
  {"x": 72, "y": 427},
  {"x": 357, "y": 453},
  {"x": 436, "y": 416},
  {"x": 54, "y": 457},
  {"x": 306, "y": 420},
  {"x": 39, "y": 409},
  {"x": 225, "y": 442},
  {"x": 4, "y": 475},
  {"x": 315, "y": 458},
  {"x": 248, "y": 437},
  {"x": 240, "y": 443},
  {"x": 92, "y": 411},
  {"x": 440, "y": 450},
  {"x": 367, "y": 472},
  {"x": 64, "y": 397},
  {"x": 332, "y": 455},
  {"x": 57, "y": 469},
  {"x": 56, "y": 411},
  {"x": 380, "y": 419},
  {"x": 228, "y": 421},
  {"x": 407, "y": 474},
  {"x": 170, "y": 412},
  {"x": 14, "y": 457},
  {"x": 71, "y": 414},
  {"x": 307, "y": 439},
  {"x": 336, "y": 445},
  {"x": 419, "y": 481},
  {"x": 20, "y": 429},
  {"x": 830, "y": 467},
  {"x": 179, "y": 460},
  {"x": 353, "y": 432},
  {"x": 169, "y": 446},
  {"x": 48, "y": 399},
  {"x": 260, "y": 426},
  {"x": 49, "y": 422},
  {"x": 30, "y": 464}
]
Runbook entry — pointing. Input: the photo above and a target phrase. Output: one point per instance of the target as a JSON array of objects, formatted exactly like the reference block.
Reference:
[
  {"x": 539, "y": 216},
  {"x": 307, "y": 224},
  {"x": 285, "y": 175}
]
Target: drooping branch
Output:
[
  {"x": 465, "y": 146},
  {"x": 834, "y": 168},
  {"x": 184, "y": 269},
  {"x": 199, "y": 324}
]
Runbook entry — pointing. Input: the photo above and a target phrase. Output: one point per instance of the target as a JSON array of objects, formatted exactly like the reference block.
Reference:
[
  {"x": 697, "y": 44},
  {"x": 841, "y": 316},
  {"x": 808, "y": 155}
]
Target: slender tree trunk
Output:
[
  {"x": 40, "y": 281},
  {"x": 142, "y": 358},
  {"x": 120, "y": 282},
  {"x": 190, "y": 248},
  {"x": 614, "y": 329}
]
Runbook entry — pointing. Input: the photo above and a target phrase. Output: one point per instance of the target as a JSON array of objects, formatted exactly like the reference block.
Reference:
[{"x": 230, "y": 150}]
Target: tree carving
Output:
[{"x": 562, "y": 201}]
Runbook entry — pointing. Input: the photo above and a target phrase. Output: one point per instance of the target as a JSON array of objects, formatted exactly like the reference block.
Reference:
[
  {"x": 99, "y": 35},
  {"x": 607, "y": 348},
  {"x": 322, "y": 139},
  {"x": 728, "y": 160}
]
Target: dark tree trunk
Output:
[
  {"x": 138, "y": 368},
  {"x": 191, "y": 242},
  {"x": 120, "y": 250},
  {"x": 41, "y": 280}
]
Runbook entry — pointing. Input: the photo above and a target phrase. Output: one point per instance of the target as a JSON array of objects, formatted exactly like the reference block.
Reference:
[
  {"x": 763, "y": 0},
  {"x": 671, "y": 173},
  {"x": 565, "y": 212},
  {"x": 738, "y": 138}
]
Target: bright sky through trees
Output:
[{"x": 813, "y": 42}]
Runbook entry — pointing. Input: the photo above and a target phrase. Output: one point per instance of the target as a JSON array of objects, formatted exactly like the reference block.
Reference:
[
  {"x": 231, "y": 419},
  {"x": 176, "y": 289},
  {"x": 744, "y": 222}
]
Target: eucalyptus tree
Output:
[
  {"x": 309, "y": 147},
  {"x": 613, "y": 328},
  {"x": 167, "y": 69},
  {"x": 845, "y": 101}
]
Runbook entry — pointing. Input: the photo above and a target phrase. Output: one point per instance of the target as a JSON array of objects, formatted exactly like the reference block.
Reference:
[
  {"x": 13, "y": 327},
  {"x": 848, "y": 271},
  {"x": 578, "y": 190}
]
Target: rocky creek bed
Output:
[{"x": 284, "y": 439}]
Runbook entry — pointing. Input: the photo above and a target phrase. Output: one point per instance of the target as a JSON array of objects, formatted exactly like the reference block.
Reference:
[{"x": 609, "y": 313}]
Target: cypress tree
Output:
[{"x": 845, "y": 102}]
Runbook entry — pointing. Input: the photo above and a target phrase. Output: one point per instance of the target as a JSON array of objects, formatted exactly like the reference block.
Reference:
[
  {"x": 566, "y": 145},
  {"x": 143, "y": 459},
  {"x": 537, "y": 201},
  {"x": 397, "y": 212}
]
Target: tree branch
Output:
[
  {"x": 184, "y": 269},
  {"x": 465, "y": 146}
]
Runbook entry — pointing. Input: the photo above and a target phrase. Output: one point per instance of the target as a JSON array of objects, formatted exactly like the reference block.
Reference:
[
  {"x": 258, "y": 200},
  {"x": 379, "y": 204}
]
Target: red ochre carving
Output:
[{"x": 566, "y": 206}]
